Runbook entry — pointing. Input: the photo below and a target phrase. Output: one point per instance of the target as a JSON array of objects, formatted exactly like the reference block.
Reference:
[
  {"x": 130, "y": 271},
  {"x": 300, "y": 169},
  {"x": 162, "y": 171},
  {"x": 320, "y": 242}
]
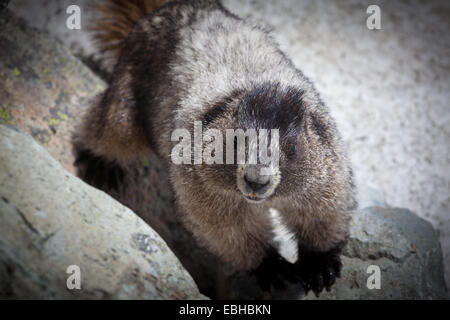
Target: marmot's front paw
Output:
[
  {"x": 97, "y": 171},
  {"x": 319, "y": 270},
  {"x": 274, "y": 270}
]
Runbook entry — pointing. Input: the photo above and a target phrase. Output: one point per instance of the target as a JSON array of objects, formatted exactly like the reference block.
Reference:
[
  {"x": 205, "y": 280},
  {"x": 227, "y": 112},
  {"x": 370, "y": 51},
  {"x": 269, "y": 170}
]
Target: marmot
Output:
[{"x": 185, "y": 61}]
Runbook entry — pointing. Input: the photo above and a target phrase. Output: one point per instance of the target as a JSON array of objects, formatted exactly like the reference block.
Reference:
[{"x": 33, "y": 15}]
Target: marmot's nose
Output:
[
  {"x": 254, "y": 185},
  {"x": 254, "y": 180}
]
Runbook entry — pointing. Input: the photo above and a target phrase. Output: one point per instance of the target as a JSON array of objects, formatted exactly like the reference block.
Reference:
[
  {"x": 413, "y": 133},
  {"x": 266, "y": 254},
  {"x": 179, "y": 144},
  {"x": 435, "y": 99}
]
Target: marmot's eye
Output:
[{"x": 292, "y": 151}]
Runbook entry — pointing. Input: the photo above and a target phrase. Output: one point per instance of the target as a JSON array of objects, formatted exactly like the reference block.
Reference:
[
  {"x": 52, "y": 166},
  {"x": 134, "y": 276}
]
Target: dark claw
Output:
[
  {"x": 330, "y": 277},
  {"x": 318, "y": 284},
  {"x": 307, "y": 281}
]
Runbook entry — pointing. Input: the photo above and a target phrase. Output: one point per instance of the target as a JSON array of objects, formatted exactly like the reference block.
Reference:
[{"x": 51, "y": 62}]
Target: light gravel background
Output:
[{"x": 389, "y": 89}]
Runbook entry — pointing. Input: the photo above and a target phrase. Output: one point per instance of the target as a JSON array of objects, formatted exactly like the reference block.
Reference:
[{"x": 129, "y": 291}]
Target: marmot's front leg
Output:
[
  {"x": 320, "y": 238},
  {"x": 318, "y": 270},
  {"x": 274, "y": 270},
  {"x": 315, "y": 270}
]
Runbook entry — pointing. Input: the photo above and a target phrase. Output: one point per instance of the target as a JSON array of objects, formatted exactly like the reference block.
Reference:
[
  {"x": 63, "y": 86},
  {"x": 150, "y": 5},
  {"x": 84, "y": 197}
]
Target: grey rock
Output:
[
  {"x": 50, "y": 220},
  {"x": 44, "y": 88},
  {"x": 404, "y": 246}
]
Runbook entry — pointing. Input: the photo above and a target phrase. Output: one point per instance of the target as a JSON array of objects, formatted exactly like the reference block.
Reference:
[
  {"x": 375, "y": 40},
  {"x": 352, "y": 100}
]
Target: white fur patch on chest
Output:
[{"x": 284, "y": 239}]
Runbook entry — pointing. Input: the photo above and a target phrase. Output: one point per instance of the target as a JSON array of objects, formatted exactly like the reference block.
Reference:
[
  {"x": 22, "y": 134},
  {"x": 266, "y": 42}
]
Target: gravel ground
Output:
[{"x": 389, "y": 89}]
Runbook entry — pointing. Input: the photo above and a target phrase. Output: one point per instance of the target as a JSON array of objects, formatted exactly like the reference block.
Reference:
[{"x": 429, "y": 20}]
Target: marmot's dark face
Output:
[{"x": 265, "y": 107}]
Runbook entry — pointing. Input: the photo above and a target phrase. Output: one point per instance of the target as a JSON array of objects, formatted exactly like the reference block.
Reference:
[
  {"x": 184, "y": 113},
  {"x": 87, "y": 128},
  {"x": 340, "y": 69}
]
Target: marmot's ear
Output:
[
  {"x": 221, "y": 107},
  {"x": 297, "y": 119},
  {"x": 320, "y": 126},
  {"x": 294, "y": 107}
]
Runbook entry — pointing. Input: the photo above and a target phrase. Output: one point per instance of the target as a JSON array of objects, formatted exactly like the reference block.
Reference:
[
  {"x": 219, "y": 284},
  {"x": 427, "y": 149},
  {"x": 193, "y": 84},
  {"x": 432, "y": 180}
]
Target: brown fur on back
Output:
[{"x": 116, "y": 19}]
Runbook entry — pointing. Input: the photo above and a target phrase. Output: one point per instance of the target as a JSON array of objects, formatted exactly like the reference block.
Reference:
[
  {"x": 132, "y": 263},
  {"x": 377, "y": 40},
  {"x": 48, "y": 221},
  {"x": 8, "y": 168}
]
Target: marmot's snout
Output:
[{"x": 257, "y": 182}]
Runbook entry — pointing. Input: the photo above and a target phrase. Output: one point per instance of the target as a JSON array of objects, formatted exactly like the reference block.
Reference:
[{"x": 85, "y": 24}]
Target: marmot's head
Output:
[{"x": 304, "y": 146}]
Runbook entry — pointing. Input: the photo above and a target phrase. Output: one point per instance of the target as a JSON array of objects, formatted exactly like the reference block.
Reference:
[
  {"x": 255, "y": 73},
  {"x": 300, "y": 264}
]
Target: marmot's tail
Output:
[{"x": 114, "y": 20}]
